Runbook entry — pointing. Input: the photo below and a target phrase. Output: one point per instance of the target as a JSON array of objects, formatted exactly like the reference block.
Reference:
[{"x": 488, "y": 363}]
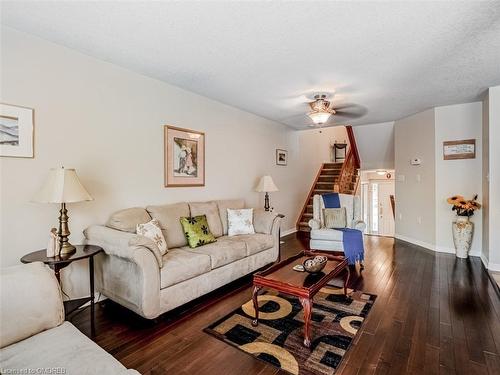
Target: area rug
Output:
[{"x": 278, "y": 338}]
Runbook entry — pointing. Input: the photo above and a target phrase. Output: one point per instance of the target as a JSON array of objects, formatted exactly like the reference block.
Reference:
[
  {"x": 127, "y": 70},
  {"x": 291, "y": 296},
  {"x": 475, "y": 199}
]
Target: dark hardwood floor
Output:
[{"x": 434, "y": 314}]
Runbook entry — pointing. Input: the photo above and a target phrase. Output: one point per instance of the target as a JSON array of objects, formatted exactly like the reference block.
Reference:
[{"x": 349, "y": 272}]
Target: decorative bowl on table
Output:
[{"x": 315, "y": 264}]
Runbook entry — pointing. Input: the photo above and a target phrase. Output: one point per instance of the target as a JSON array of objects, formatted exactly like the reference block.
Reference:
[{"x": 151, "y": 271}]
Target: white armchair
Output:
[{"x": 330, "y": 239}]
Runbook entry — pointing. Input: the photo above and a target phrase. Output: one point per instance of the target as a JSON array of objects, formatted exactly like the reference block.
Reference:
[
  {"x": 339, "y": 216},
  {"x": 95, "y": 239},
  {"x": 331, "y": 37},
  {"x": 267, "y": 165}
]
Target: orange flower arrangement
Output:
[{"x": 462, "y": 206}]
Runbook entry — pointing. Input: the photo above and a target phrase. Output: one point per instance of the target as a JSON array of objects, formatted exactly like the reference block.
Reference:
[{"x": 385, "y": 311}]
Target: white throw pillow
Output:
[
  {"x": 152, "y": 231},
  {"x": 240, "y": 221}
]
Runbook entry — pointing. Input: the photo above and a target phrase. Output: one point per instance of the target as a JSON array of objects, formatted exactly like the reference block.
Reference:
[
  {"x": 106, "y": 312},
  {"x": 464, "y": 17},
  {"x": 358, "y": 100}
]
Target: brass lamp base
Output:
[{"x": 65, "y": 248}]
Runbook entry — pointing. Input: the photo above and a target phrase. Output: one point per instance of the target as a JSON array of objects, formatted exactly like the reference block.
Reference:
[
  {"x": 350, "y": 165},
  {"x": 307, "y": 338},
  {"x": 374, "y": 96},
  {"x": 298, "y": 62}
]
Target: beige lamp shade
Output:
[
  {"x": 62, "y": 186},
  {"x": 266, "y": 185}
]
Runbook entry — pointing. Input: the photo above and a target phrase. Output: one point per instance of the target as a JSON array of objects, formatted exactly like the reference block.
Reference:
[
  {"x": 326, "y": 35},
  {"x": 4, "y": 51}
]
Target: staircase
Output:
[{"x": 332, "y": 177}]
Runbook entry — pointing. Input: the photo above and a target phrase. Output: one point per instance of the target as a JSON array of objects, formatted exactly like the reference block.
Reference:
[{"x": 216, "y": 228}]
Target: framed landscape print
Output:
[
  {"x": 16, "y": 131},
  {"x": 281, "y": 157},
  {"x": 184, "y": 157}
]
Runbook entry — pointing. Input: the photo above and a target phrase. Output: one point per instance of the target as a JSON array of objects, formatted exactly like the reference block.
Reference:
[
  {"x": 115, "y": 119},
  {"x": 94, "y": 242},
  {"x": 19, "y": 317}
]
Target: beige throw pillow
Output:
[
  {"x": 240, "y": 221},
  {"x": 335, "y": 218},
  {"x": 152, "y": 231}
]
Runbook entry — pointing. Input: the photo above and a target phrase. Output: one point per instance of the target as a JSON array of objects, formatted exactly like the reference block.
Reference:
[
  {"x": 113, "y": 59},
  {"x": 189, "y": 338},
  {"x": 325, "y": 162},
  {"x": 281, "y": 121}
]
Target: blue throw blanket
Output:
[{"x": 352, "y": 238}]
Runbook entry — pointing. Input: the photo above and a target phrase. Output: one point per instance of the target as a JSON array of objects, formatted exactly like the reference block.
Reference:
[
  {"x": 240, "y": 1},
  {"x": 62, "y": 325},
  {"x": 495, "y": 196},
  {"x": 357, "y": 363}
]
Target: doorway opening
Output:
[{"x": 378, "y": 202}]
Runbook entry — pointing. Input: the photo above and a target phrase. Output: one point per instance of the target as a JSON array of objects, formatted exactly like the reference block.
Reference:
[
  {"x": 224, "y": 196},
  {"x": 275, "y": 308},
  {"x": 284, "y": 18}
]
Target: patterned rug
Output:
[{"x": 278, "y": 338}]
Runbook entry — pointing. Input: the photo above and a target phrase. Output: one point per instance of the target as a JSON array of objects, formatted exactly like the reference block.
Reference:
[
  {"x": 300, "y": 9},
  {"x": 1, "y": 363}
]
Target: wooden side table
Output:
[{"x": 59, "y": 262}]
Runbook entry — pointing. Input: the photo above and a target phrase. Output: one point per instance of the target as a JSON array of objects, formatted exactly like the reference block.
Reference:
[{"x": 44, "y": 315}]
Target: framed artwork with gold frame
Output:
[
  {"x": 184, "y": 157},
  {"x": 16, "y": 131}
]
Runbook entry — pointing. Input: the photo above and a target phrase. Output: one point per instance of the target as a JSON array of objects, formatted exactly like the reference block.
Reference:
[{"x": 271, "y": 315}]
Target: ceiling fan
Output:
[{"x": 322, "y": 110}]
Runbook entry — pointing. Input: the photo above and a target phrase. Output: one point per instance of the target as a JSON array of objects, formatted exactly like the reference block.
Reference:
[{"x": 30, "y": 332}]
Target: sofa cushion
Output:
[
  {"x": 197, "y": 231},
  {"x": 211, "y": 211},
  {"x": 30, "y": 302},
  {"x": 326, "y": 234},
  {"x": 127, "y": 220},
  {"x": 223, "y": 205},
  {"x": 255, "y": 243},
  {"x": 222, "y": 252},
  {"x": 180, "y": 265},
  {"x": 168, "y": 216},
  {"x": 62, "y": 347}
]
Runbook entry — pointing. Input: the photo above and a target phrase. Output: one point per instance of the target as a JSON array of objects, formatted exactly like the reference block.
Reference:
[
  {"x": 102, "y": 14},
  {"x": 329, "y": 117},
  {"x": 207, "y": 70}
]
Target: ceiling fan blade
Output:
[
  {"x": 350, "y": 110},
  {"x": 345, "y": 114},
  {"x": 344, "y": 105}
]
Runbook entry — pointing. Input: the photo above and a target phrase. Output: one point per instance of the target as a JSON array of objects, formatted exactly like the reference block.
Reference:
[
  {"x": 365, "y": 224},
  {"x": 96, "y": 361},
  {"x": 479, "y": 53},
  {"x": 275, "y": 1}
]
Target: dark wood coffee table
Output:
[{"x": 284, "y": 279}]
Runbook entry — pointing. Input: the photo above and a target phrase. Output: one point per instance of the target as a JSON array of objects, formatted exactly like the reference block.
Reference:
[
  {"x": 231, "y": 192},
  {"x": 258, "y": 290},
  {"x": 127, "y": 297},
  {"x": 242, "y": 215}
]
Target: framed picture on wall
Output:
[
  {"x": 464, "y": 149},
  {"x": 16, "y": 131},
  {"x": 281, "y": 157},
  {"x": 184, "y": 157}
]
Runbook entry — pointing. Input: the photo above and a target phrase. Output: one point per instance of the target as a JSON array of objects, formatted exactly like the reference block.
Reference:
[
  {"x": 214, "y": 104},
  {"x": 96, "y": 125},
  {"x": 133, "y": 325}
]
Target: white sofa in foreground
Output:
[
  {"x": 34, "y": 338},
  {"x": 129, "y": 272}
]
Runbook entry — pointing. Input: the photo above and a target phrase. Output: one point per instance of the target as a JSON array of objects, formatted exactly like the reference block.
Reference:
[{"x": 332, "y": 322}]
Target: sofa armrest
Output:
[
  {"x": 314, "y": 224},
  {"x": 121, "y": 244},
  {"x": 359, "y": 225},
  {"x": 127, "y": 274},
  {"x": 263, "y": 221}
]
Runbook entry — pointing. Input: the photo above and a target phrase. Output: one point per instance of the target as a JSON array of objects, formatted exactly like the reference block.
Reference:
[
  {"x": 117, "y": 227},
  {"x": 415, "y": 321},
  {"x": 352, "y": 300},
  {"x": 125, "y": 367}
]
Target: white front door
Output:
[{"x": 385, "y": 214}]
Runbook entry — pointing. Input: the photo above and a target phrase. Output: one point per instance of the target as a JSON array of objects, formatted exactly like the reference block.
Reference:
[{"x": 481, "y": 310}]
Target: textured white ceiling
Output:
[{"x": 391, "y": 59}]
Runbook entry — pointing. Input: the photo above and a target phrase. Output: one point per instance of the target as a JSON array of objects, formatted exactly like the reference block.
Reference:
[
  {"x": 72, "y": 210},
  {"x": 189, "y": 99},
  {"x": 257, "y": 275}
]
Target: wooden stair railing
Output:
[
  {"x": 349, "y": 178},
  {"x": 333, "y": 177}
]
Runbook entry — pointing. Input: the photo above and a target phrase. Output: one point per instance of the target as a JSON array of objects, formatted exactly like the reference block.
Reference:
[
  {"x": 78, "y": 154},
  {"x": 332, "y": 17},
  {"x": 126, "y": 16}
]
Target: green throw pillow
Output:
[{"x": 197, "y": 231}]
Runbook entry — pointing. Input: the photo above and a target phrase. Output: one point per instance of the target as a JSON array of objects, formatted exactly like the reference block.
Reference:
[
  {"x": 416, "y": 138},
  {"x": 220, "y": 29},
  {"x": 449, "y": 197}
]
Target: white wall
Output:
[
  {"x": 107, "y": 122},
  {"x": 375, "y": 145},
  {"x": 415, "y": 195},
  {"x": 422, "y": 214},
  {"x": 494, "y": 178},
  {"x": 463, "y": 176},
  {"x": 313, "y": 147},
  {"x": 485, "y": 212}
]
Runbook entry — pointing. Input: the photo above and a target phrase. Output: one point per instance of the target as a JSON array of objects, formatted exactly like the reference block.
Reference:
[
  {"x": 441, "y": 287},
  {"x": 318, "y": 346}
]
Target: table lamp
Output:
[
  {"x": 266, "y": 185},
  {"x": 62, "y": 186}
]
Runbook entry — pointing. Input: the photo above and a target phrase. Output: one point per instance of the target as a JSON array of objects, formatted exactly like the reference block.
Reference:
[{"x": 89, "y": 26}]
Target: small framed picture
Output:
[
  {"x": 184, "y": 157},
  {"x": 464, "y": 149},
  {"x": 281, "y": 157},
  {"x": 16, "y": 131}
]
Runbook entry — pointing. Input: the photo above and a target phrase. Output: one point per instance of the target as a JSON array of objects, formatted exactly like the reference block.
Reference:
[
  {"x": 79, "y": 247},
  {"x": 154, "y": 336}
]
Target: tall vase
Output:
[{"x": 463, "y": 229}]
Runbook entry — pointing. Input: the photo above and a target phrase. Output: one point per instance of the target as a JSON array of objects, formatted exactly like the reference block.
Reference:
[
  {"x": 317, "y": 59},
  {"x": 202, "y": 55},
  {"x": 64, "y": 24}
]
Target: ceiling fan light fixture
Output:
[{"x": 319, "y": 117}]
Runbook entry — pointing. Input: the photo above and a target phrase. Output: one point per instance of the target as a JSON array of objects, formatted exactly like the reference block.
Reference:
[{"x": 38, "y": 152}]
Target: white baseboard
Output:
[
  {"x": 287, "y": 232},
  {"x": 451, "y": 250},
  {"x": 494, "y": 266},
  {"x": 488, "y": 265},
  {"x": 484, "y": 260},
  {"x": 416, "y": 242},
  {"x": 437, "y": 249}
]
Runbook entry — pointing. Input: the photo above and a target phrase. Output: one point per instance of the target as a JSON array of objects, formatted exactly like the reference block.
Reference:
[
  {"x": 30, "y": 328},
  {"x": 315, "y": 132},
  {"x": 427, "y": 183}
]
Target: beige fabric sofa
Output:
[
  {"x": 34, "y": 338},
  {"x": 131, "y": 274}
]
